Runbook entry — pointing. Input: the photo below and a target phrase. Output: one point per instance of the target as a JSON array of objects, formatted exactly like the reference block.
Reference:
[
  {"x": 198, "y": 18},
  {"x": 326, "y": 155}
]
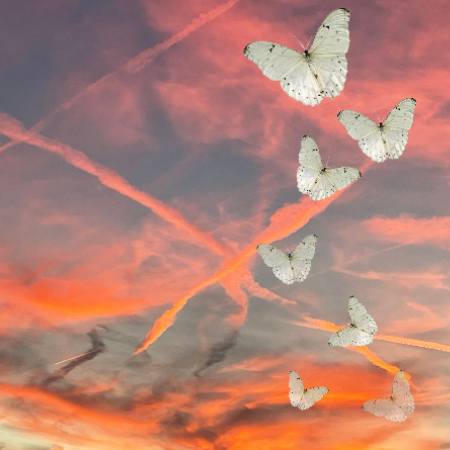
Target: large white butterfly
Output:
[
  {"x": 399, "y": 406},
  {"x": 361, "y": 329},
  {"x": 293, "y": 266},
  {"x": 318, "y": 72},
  {"x": 300, "y": 397},
  {"x": 380, "y": 141},
  {"x": 316, "y": 180}
]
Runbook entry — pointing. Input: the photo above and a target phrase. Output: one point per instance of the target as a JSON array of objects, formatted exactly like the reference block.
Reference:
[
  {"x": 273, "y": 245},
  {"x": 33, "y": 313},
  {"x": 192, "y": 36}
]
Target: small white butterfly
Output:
[
  {"x": 361, "y": 329},
  {"x": 386, "y": 139},
  {"x": 316, "y": 180},
  {"x": 293, "y": 266},
  {"x": 318, "y": 72},
  {"x": 300, "y": 397},
  {"x": 399, "y": 406}
]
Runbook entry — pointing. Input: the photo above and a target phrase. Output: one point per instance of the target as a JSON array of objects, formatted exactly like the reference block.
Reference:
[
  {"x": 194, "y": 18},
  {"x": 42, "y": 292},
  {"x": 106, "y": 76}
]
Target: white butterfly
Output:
[
  {"x": 293, "y": 266},
  {"x": 361, "y": 329},
  {"x": 318, "y": 72},
  {"x": 300, "y": 397},
  {"x": 386, "y": 139},
  {"x": 399, "y": 406},
  {"x": 316, "y": 180}
]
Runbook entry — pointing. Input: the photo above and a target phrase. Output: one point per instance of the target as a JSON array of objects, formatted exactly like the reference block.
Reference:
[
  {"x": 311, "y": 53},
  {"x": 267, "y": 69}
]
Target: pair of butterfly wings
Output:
[
  {"x": 385, "y": 140},
  {"x": 397, "y": 408},
  {"x": 312, "y": 75},
  {"x": 290, "y": 267},
  {"x": 361, "y": 330},
  {"x": 303, "y": 398},
  {"x": 316, "y": 180}
]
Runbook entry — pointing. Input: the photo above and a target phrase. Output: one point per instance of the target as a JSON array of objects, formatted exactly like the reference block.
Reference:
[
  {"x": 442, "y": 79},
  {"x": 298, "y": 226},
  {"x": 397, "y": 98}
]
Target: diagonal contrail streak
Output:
[
  {"x": 15, "y": 130},
  {"x": 133, "y": 65}
]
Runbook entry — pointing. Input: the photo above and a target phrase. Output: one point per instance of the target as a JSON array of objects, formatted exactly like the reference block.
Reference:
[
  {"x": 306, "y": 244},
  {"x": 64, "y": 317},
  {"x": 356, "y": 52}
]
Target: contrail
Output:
[
  {"x": 133, "y": 65},
  {"x": 376, "y": 360},
  {"x": 413, "y": 342},
  {"x": 324, "y": 325},
  {"x": 285, "y": 221},
  {"x": 15, "y": 130}
]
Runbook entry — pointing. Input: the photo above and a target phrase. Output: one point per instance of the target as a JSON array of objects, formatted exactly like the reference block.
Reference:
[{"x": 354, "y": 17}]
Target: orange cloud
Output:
[{"x": 410, "y": 230}]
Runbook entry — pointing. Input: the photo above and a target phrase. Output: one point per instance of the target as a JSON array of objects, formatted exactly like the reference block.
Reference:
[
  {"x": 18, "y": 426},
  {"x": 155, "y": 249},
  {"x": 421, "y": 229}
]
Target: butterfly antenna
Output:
[
  {"x": 309, "y": 42},
  {"x": 299, "y": 41}
]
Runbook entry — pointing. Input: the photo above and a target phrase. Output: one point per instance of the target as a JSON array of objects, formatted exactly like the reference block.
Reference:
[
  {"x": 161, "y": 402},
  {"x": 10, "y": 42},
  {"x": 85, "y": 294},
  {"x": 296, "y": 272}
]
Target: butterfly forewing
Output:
[
  {"x": 302, "y": 256},
  {"x": 328, "y": 61},
  {"x": 278, "y": 261},
  {"x": 401, "y": 394},
  {"x": 333, "y": 36},
  {"x": 397, "y": 125},
  {"x": 360, "y": 317},
  {"x": 274, "y": 60},
  {"x": 296, "y": 388}
]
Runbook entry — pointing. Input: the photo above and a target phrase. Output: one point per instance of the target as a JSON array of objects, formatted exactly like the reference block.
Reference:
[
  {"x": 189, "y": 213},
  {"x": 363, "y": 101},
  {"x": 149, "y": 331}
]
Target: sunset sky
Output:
[{"x": 143, "y": 158}]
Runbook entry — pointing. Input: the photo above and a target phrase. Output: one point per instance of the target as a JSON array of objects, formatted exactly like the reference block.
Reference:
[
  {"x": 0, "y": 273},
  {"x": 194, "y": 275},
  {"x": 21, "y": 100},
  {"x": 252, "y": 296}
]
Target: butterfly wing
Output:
[
  {"x": 296, "y": 389},
  {"x": 340, "y": 178},
  {"x": 312, "y": 396},
  {"x": 401, "y": 394},
  {"x": 397, "y": 125},
  {"x": 274, "y": 60},
  {"x": 310, "y": 165},
  {"x": 302, "y": 256},
  {"x": 385, "y": 408},
  {"x": 278, "y": 261},
  {"x": 349, "y": 336},
  {"x": 328, "y": 62},
  {"x": 289, "y": 67},
  {"x": 360, "y": 317},
  {"x": 366, "y": 132}
]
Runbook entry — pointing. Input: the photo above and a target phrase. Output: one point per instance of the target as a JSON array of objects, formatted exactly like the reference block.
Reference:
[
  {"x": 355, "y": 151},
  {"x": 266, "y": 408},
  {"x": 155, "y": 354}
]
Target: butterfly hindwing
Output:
[{"x": 296, "y": 388}]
